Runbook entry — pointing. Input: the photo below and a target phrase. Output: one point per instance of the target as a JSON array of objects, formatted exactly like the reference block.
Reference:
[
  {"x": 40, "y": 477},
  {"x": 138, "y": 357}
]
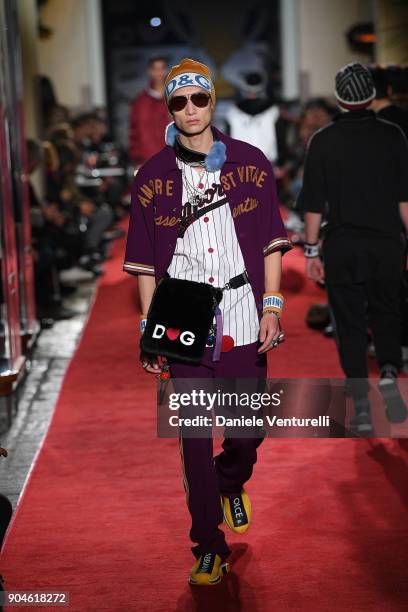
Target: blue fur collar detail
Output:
[
  {"x": 170, "y": 134},
  {"x": 215, "y": 158}
]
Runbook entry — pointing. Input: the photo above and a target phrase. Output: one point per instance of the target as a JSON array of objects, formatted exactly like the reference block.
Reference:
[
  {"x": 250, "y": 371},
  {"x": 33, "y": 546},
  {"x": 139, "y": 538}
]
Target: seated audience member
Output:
[
  {"x": 397, "y": 111},
  {"x": 99, "y": 152},
  {"x": 45, "y": 223},
  {"x": 74, "y": 224},
  {"x": 92, "y": 218},
  {"x": 316, "y": 114},
  {"x": 381, "y": 83}
]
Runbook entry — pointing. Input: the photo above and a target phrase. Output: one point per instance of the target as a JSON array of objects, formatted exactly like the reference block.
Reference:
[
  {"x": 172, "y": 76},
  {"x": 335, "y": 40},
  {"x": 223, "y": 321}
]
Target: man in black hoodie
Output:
[{"x": 356, "y": 174}]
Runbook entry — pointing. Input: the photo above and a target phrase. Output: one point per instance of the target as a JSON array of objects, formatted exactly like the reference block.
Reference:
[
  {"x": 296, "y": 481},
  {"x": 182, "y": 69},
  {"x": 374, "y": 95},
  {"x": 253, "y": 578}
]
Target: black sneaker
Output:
[
  {"x": 395, "y": 407},
  {"x": 361, "y": 424},
  {"x": 208, "y": 570}
]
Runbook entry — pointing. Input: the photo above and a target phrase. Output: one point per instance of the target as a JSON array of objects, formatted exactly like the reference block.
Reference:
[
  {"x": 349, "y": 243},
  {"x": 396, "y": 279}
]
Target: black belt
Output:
[{"x": 234, "y": 283}]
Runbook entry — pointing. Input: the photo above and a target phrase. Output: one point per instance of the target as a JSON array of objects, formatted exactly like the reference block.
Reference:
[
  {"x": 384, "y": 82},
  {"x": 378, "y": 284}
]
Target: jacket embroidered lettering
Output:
[{"x": 244, "y": 207}]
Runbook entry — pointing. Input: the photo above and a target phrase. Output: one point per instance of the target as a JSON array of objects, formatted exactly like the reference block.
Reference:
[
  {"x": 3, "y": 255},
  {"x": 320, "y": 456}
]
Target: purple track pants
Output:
[{"x": 207, "y": 477}]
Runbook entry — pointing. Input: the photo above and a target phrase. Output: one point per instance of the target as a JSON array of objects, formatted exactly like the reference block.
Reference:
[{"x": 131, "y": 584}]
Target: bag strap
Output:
[
  {"x": 184, "y": 224},
  {"x": 234, "y": 283}
]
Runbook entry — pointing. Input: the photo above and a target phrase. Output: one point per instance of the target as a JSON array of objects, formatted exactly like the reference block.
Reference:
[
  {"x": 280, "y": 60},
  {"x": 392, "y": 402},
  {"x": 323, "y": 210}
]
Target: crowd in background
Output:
[
  {"x": 78, "y": 184},
  {"x": 84, "y": 196},
  {"x": 85, "y": 187},
  {"x": 281, "y": 129}
]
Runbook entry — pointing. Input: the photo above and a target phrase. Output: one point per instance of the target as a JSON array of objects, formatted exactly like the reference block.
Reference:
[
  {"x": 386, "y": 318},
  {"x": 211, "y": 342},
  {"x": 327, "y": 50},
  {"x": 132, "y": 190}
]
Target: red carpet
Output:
[{"x": 103, "y": 515}]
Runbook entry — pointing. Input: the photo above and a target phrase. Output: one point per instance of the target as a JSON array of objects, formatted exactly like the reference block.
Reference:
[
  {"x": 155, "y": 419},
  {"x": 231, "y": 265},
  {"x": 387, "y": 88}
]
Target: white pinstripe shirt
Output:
[{"x": 209, "y": 252}]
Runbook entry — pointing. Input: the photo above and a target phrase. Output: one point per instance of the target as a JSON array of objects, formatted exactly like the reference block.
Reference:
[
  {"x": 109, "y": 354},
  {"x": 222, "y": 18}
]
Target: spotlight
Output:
[{"x": 155, "y": 22}]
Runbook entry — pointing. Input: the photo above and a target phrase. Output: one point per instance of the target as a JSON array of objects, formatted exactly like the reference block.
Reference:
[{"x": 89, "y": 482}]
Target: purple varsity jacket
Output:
[{"x": 249, "y": 184}]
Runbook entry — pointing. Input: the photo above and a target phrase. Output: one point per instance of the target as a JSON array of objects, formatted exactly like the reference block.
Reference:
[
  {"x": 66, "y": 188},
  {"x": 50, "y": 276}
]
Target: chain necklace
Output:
[{"x": 194, "y": 193}]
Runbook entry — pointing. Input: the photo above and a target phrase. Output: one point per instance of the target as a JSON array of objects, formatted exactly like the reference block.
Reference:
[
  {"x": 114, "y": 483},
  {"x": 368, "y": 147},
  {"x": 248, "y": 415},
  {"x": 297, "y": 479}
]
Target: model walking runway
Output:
[{"x": 103, "y": 515}]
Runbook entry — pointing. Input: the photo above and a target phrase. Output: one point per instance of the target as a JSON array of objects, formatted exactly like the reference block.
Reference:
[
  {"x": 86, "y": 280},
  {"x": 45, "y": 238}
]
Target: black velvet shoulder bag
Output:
[{"x": 179, "y": 319}]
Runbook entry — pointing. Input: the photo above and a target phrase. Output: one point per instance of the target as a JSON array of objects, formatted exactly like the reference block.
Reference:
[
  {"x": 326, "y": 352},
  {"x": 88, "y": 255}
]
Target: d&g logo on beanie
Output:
[
  {"x": 189, "y": 73},
  {"x": 186, "y": 79}
]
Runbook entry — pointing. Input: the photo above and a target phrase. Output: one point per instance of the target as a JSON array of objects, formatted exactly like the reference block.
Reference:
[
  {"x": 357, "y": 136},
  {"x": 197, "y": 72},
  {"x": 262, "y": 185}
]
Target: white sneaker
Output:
[
  {"x": 75, "y": 275},
  {"x": 294, "y": 223}
]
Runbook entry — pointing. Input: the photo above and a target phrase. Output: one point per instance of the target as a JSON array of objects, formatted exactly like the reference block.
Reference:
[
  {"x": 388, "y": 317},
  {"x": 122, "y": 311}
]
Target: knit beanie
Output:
[
  {"x": 187, "y": 73},
  {"x": 354, "y": 87}
]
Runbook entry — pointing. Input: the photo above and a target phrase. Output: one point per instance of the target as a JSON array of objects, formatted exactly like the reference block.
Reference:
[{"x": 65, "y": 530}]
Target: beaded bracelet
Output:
[{"x": 272, "y": 312}]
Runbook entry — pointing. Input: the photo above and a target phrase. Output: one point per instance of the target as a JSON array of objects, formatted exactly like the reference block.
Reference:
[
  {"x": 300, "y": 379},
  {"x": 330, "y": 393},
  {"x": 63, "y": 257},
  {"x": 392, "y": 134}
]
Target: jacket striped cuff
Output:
[
  {"x": 278, "y": 244},
  {"x": 138, "y": 268}
]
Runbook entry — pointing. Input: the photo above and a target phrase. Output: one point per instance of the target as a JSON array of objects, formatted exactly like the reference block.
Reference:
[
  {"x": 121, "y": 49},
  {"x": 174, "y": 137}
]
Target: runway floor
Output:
[{"x": 103, "y": 513}]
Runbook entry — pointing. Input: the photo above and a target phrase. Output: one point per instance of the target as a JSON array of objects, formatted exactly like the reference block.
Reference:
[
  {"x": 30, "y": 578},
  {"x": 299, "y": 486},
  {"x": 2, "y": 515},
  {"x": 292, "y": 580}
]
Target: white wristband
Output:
[
  {"x": 311, "y": 250},
  {"x": 143, "y": 323}
]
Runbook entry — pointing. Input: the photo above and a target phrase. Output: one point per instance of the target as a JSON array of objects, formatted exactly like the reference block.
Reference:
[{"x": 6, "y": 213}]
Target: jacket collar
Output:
[
  {"x": 229, "y": 142},
  {"x": 170, "y": 156},
  {"x": 358, "y": 115}
]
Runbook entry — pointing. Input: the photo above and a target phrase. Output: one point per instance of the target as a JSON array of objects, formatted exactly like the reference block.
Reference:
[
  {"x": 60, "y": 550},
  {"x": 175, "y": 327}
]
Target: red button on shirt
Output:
[
  {"x": 211, "y": 250},
  {"x": 211, "y": 279},
  {"x": 206, "y": 219},
  {"x": 227, "y": 343}
]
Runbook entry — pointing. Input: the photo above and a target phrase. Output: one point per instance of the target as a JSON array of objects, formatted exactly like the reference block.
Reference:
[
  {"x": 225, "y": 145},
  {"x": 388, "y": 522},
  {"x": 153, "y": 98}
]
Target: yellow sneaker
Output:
[
  {"x": 237, "y": 511},
  {"x": 208, "y": 570}
]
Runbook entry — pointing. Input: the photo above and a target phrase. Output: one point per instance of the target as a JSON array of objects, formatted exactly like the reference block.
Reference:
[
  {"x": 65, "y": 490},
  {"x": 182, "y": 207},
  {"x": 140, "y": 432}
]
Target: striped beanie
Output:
[
  {"x": 187, "y": 73},
  {"x": 354, "y": 87}
]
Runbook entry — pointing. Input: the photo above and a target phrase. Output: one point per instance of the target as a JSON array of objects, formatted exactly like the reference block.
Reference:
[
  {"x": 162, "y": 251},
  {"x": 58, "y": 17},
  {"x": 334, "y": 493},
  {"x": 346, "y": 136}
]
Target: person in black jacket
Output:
[
  {"x": 356, "y": 173},
  {"x": 396, "y": 111},
  {"x": 6, "y": 512}
]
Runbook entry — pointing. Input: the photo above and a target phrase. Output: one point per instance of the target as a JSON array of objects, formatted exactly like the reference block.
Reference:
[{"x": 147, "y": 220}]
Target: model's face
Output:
[
  {"x": 157, "y": 73},
  {"x": 192, "y": 119}
]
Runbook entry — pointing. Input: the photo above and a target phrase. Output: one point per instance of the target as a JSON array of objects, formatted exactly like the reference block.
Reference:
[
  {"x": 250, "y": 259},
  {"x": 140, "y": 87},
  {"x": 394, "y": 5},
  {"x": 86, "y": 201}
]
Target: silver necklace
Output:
[{"x": 194, "y": 192}]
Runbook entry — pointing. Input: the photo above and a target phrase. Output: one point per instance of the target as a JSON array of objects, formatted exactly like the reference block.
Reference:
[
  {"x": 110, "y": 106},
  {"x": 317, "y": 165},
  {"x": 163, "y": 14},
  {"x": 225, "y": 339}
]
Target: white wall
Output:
[
  {"x": 392, "y": 32},
  {"x": 73, "y": 56},
  {"x": 27, "y": 17},
  {"x": 322, "y": 43},
  {"x": 289, "y": 29}
]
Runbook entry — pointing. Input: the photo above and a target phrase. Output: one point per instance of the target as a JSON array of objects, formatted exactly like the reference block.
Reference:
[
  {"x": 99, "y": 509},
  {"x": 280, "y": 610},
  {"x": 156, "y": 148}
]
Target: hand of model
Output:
[
  {"x": 269, "y": 331},
  {"x": 3, "y": 452},
  {"x": 152, "y": 364},
  {"x": 315, "y": 269}
]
